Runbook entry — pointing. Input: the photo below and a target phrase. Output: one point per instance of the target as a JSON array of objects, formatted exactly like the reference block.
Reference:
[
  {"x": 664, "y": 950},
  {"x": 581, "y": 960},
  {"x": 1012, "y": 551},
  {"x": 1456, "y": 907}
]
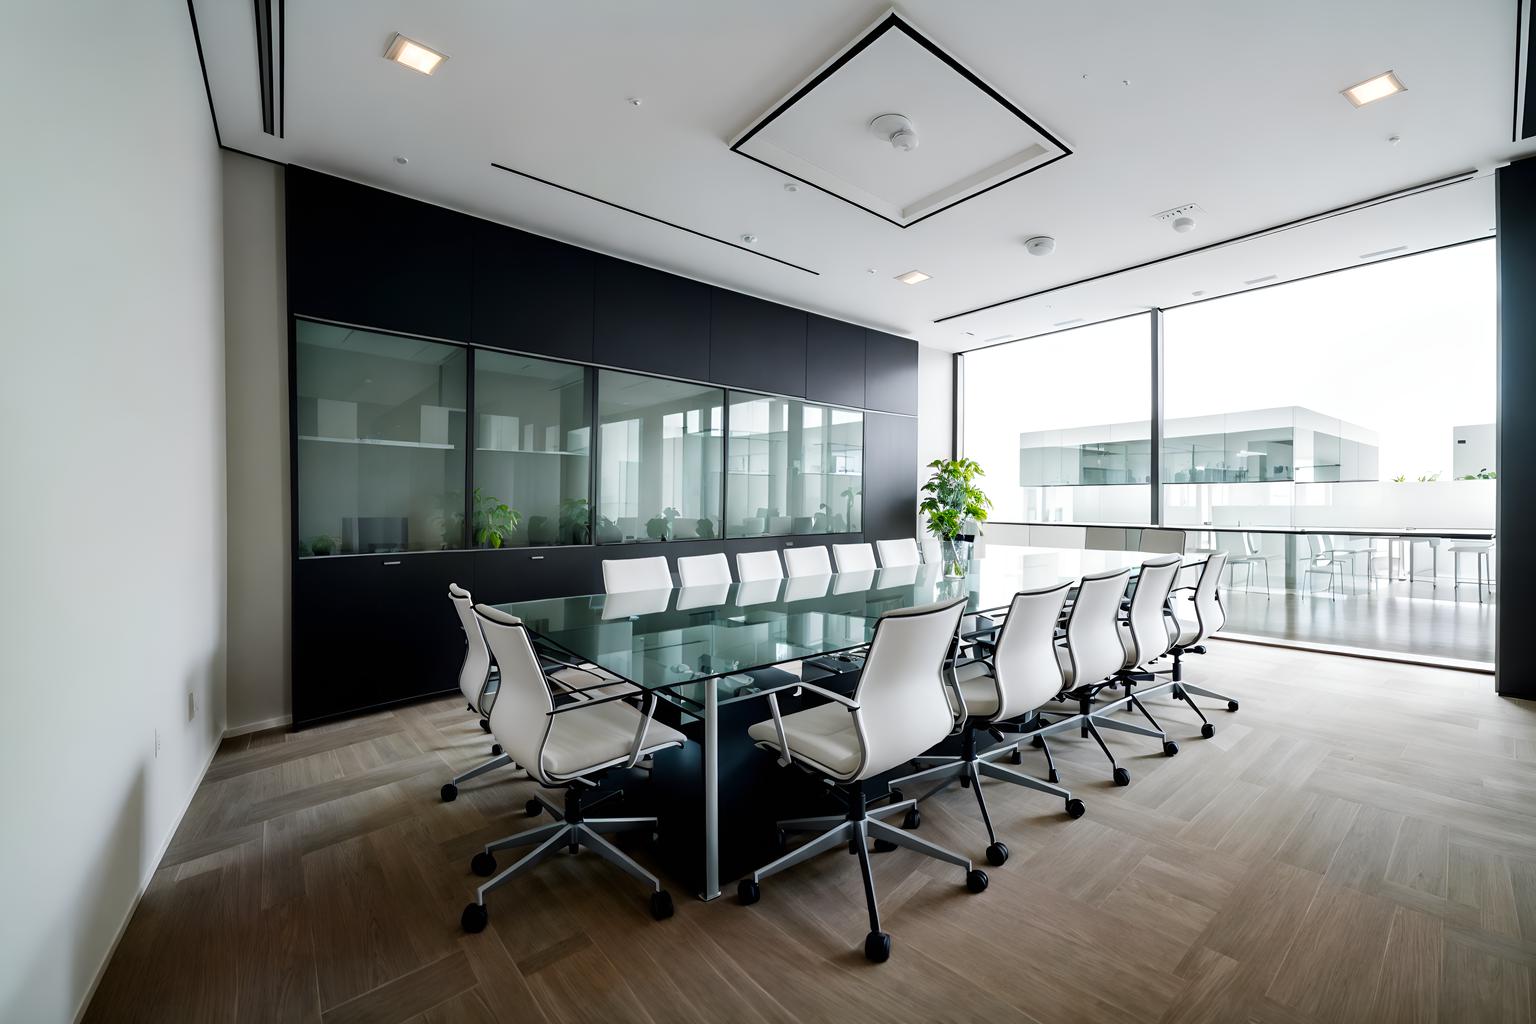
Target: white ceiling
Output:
[{"x": 1234, "y": 106}]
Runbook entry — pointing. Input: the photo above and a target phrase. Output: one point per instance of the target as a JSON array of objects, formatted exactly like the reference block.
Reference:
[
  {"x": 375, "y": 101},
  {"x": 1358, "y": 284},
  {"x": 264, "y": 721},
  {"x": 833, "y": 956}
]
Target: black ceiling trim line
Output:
[
  {"x": 647, "y": 216},
  {"x": 1338, "y": 211},
  {"x": 197, "y": 39},
  {"x": 895, "y": 21},
  {"x": 262, "y": 11},
  {"x": 1525, "y": 86},
  {"x": 282, "y": 67}
]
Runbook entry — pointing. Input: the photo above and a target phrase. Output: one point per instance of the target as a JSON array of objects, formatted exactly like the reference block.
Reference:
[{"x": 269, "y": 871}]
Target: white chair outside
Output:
[
  {"x": 564, "y": 746},
  {"x": 1253, "y": 554},
  {"x": 758, "y": 565},
  {"x": 895, "y": 553},
  {"x": 1482, "y": 552},
  {"x": 626, "y": 575},
  {"x": 703, "y": 570},
  {"x": 854, "y": 557},
  {"x": 812, "y": 561}
]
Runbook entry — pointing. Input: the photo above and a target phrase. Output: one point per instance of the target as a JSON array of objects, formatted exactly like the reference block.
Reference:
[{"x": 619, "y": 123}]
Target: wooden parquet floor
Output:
[{"x": 1358, "y": 843}]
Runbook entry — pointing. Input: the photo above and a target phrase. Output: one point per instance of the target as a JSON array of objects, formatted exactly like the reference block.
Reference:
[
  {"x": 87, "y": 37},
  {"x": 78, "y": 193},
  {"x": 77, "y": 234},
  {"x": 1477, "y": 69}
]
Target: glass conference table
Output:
[{"x": 695, "y": 645}]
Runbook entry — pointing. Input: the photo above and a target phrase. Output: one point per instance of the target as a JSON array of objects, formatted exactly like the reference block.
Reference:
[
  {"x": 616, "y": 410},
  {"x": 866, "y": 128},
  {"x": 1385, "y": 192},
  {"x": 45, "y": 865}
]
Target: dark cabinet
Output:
[
  {"x": 890, "y": 373},
  {"x": 834, "y": 362},
  {"x": 530, "y": 574},
  {"x": 756, "y": 344},
  {"x": 362, "y": 256},
  {"x": 890, "y": 476},
  {"x": 650, "y": 321},
  {"x": 374, "y": 630},
  {"x": 531, "y": 294}
]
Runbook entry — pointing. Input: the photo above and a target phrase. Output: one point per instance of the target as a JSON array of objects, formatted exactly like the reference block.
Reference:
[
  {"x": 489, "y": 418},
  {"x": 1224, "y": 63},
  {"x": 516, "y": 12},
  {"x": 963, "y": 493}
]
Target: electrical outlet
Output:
[{"x": 157, "y": 742}]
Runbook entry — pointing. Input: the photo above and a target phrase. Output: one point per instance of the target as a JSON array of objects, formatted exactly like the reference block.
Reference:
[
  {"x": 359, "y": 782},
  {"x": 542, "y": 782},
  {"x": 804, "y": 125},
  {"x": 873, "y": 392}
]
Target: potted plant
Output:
[
  {"x": 659, "y": 527},
  {"x": 494, "y": 520},
  {"x": 575, "y": 521},
  {"x": 952, "y": 501}
]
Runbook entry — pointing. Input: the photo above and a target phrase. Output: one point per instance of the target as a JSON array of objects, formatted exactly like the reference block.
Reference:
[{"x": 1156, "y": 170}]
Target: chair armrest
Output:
[
  {"x": 582, "y": 705},
  {"x": 646, "y": 714},
  {"x": 785, "y": 760}
]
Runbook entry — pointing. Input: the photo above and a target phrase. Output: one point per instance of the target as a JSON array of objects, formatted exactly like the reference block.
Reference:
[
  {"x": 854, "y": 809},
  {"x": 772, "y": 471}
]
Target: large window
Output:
[
  {"x": 1062, "y": 424},
  {"x": 793, "y": 468},
  {"x": 380, "y": 442},
  {"x": 661, "y": 448},
  {"x": 532, "y": 460}
]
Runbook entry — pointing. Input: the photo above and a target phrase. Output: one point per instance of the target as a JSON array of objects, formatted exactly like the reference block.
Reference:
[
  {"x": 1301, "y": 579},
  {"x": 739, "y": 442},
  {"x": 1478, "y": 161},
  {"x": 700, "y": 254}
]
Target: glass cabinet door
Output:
[
  {"x": 793, "y": 468},
  {"x": 532, "y": 471},
  {"x": 381, "y": 429}
]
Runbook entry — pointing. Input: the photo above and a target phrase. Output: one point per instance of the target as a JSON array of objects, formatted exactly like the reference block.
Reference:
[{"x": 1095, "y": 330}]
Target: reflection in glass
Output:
[
  {"x": 794, "y": 468},
  {"x": 660, "y": 456},
  {"x": 532, "y": 456},
  {"x": 380, "y": 442}
]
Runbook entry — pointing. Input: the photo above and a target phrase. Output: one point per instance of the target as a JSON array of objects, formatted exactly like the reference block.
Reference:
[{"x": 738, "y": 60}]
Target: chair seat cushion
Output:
[
  {"x": 979, "y": 688},
  {"x": 587, "y": 739},
  {"x": 824, "y": 736}
]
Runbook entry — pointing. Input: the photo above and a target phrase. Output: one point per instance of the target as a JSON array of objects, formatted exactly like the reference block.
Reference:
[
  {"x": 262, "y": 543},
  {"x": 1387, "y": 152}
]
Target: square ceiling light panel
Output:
[{"x": 969, "y": 137}]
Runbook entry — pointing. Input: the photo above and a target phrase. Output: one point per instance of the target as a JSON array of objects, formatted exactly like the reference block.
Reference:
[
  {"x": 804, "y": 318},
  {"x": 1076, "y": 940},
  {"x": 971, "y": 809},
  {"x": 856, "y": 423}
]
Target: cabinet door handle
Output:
[
  {"x": 395, "y": 562},
  {"x": 536, "y": 558}
]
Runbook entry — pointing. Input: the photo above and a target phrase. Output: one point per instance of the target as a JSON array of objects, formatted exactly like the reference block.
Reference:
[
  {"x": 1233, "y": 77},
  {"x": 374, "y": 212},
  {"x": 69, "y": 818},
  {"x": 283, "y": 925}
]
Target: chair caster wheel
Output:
[
  {"x": 1017, "y": 757},
  {"x": 1122, "y": 777},
  {"x": 1053, "y": 776},
  {"x": 449, "y": 792},
  {"x": 976, "y": 880},
  {"x": 474, "y": 918},
  {"x": 997, "y": 856},
  {"x": 533, "y": 808},
  {"x": 1170, "y": 748},
  {"x": 877, "y": 947},
  {"x": 896, "y": 796},
  {"x": 748, "y": 892},
  {"x": 661, "y": 904},
  {"x": 1231, "y": 705},
  {"x": 484, "y": 864},
  {"x": 913, "y": 819},
  {"x": 495, "y": 749},
  {"x": 1075, "y": 808},
  {"x": 485, "y": 725},
  {"x": 884, "y": 846},
  {"x": 1037, "y": 742},
  {"x": 1207, "y": 730}
]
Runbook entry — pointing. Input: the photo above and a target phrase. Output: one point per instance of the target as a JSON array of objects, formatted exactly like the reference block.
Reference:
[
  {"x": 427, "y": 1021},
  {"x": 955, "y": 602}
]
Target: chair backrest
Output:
[
  {"x": 897, "y": 576},
  {"x": 1209, "y": 613},
  {"x": 810, "y": 561},
  {"x": 1028, "y": 673},
  {"x": 899, "y": 552},
  {"x": 520, "y": 717},
  {"x": 1315, "y": 545},
  {"x": 903, "y": 707},
  {"x": 1252, "y": 544},
  {"x": 476, "y": 670},
  {"x": 1104, "y": 538},
  {"x": 853, "y": 581},
  {"x": 703, "y": 570},
  {"x": 853, "y": 557},
  {"x": 749, "y": 592},
  {"x": 804, "y": 588},
  {"x": 1149, "y": 622},
  {"x": 758, "y": 565},
  {"x": 702, "y": 595},
  {"x": 1094, "y": 644},
  {"x": 623, "y": 575},
  {"x": 1162, "y": 541}
]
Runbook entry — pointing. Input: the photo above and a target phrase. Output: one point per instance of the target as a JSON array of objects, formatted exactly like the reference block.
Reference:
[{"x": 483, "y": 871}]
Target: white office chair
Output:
[
  {"x": 563, "y": 745},
  {"x": 810, "y": 561},
  {"x": 854, "y": 557},
  {"x": 1021, "y": 676},
  {"x": 626, "y": 575},
  {"x": 1324, "y": 562},
  {"x": 1482, "y": 550},
  {"x": 703, "y": 570},
  {"x": 1253, "y": 554},
  {"x": 1170, "y": 542},
  {"x": 896, "y": 553},
  {"x": 1196, "y": 613},
  {"x": 758, "y": 565},
  {"x": 477, "y": 682},
  {"x": 899, "y": 710}
]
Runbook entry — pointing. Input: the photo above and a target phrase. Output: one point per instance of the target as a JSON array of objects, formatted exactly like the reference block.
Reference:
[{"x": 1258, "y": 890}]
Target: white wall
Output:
[
  {"x": 935, "y": 411},
  {"x": 256, "y": 376},
  {"x": 112, "y": 505}
]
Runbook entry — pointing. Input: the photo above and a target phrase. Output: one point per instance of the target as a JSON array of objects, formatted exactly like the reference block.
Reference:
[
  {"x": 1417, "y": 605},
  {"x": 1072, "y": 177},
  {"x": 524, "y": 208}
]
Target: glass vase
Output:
[{"x": 956, "y": 554}]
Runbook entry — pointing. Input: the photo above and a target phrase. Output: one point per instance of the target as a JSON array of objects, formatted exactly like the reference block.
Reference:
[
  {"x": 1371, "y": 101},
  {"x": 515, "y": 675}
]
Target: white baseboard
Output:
[
  {"x": 122, "y": 929},
  {"x": 250, "y": 727}
]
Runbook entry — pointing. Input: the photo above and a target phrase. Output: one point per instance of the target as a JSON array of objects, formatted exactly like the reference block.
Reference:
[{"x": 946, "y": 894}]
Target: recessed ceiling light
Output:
[
  {"x": 1065, "y": 323},
  {"x": 871, "y": 270},
  {"x": 912, "y": 277},
  {"x": 790, "y": 186},
  {"x": 749, "y": 239},
  {"x": 634, "y": 101},
  {"x": 970, "y": 334},
  {"x": 1197, "y": 294},
  {"x": 402, "y": 160},
  {"x": 1383, "y": 252},
  {"x": 414, "y": 55},
  {"x": 1373, "y": 89},
  {"x": 1261, "y": 280}
]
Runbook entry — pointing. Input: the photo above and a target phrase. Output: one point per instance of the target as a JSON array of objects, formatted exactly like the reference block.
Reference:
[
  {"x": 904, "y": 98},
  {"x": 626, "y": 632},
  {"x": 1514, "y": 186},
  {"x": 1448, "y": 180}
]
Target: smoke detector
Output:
[
  {"x": 897, "y": 129},
  {"x": 1181, "y": 218},
  {"x": 1040, "y": 245}
]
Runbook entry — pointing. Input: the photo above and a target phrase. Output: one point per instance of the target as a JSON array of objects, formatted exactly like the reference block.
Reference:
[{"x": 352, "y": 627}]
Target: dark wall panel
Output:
[
  {"x": 364, "y": 256},
  {"x": 890, "y": 373},
  {"x": 890, "y": 476},
  {"x": 834, "y": 361},
  {"x": 1515, "y": 675},
  {"x": 531, "y": 294},
  {"x": 756, "y": 344},
  {"x": 651, "y": 321}
]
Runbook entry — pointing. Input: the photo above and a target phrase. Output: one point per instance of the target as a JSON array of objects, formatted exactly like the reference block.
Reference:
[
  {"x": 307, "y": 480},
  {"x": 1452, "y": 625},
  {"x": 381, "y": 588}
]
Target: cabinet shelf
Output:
[
  {"x": 382, "y": 442},
  {"x": 532, "y": 451}
]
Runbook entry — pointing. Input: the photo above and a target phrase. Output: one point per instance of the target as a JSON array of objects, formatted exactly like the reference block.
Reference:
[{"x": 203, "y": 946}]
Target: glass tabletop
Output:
[{"x": 680, "y": 638}]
